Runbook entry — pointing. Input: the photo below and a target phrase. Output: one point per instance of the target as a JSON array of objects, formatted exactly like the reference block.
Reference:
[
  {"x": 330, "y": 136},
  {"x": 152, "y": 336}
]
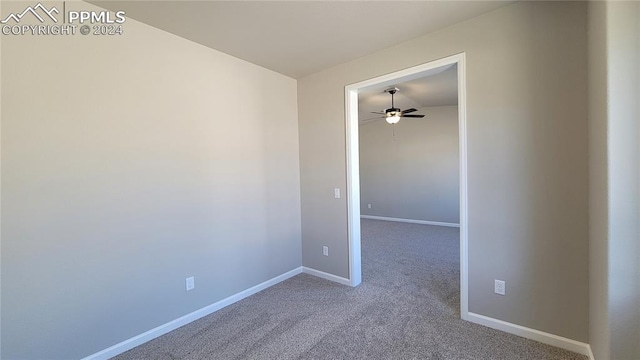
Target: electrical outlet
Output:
[
  {"x": 499, "y": 287},
  {"x": 325, "y": 250},
  {"x": 369, "y": 206},
  {"x": 191, "y": 283},
  {"x": 336, "y": 193}
]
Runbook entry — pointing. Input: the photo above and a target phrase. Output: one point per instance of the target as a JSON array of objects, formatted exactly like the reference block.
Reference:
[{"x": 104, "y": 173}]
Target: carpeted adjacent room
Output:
[{"x": 407, "y": 307}]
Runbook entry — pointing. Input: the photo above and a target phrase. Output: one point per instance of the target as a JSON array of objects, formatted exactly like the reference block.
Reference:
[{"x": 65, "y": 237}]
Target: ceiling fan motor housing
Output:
[{"x": 393, "y": 111}]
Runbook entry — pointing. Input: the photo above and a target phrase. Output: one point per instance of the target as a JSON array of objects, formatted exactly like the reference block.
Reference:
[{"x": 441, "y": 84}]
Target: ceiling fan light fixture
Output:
[{"x": 393, "y": 119}]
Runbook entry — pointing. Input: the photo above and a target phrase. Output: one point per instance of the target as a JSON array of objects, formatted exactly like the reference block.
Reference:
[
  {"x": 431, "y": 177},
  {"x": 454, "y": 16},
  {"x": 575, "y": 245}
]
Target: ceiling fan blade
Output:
[
  {"x": 413, "y": 116},
  {"x": 373, "y": 118},
  {"x": 409, "y": 111}
]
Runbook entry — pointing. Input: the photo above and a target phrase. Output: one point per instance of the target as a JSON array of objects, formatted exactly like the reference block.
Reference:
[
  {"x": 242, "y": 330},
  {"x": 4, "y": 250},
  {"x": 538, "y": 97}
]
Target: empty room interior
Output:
[{"x": 320, "y": 180}]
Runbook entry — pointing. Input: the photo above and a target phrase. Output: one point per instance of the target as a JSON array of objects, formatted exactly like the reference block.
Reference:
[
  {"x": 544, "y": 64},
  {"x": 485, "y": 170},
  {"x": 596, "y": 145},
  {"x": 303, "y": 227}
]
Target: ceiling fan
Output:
[{"x": 393, "y": 114}]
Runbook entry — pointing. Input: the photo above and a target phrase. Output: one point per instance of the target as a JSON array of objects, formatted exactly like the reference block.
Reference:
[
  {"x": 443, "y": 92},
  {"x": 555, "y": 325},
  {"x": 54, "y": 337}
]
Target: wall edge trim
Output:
[
  {"x": 590, "y": 354},
  {"x": 533, "y": 334},
  {"x": 326, "y": 276}
]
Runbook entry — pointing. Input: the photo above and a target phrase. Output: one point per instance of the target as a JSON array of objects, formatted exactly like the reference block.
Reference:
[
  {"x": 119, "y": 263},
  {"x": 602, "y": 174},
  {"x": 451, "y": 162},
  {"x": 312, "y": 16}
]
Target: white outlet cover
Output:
[
  {"x": 190, "y": 283},
  {"x": 499, "y": 287},
  {"x": 325, "y": 250}
]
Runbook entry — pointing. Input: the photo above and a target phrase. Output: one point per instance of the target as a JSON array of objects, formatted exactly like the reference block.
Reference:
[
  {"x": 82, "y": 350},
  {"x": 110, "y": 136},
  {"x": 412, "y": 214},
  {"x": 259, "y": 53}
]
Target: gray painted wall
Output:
[
  {"x": 414, "y": 174},
  {"x": 615, "y": 179},
  {"x": 623, "y": 65},
  {"x": 624, "y": 178},
  {"x": 599, "y": 334},
  {"x": 121, "y": 177},
  {"x": 527, "y": 159}
]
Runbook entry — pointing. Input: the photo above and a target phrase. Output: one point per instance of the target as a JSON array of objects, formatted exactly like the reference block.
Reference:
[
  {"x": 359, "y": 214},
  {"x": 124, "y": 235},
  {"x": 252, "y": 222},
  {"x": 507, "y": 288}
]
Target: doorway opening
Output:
[{"x": 353, "y": 167}]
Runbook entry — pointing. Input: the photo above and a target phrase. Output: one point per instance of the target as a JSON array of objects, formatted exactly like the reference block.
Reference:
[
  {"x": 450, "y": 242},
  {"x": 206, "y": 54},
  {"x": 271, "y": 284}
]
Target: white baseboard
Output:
[
  {"x": 174, "y": 324},
  {"x": 424, "y": 222},
  {"x": 537, "y": 335},
  {"x": 590, "y": 354},
  {"x": 326, "y": 276}
]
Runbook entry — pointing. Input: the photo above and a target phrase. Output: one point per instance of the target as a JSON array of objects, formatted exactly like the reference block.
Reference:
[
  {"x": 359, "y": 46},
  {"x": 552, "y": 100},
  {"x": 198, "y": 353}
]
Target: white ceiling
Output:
[
  {"x": 298, "y": 38},
  {"x": 440, "y": 88}
]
